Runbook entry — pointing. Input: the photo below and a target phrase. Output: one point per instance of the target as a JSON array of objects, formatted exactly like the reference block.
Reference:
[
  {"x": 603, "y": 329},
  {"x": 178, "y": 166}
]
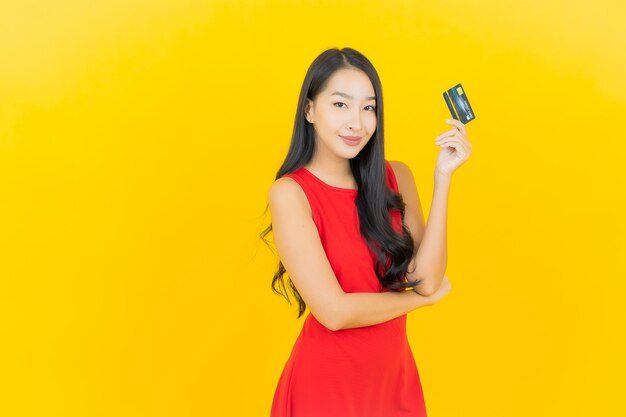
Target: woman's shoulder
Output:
[
  {"x": 286, "y": 193},
  {"x": 285, "y": 187},
  {"x": 400, "y": 168},
  {"x": 403, "y": 175}
]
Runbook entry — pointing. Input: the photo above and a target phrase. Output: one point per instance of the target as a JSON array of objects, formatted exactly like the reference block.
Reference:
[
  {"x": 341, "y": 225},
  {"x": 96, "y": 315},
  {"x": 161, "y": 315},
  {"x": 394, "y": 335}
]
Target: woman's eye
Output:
[{"x": 339, "y": 102}]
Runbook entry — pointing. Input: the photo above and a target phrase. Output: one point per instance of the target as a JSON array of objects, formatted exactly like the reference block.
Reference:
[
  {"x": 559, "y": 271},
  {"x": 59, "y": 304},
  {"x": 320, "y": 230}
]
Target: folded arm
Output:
[{"x": 301, "y": 252}]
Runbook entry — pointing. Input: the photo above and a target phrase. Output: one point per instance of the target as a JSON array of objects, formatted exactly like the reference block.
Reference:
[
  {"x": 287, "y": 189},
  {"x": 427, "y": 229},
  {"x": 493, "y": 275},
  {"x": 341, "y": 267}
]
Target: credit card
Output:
[{"x": 459, "y": 106}]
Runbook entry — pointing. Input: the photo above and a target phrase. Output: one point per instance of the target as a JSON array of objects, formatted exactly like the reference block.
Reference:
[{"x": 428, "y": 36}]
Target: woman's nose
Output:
[{"x": 355, "y": 120}]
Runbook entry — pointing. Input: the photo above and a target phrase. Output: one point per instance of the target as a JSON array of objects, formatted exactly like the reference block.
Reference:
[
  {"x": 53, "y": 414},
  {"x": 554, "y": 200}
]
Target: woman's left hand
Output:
[{"x": 455, "y": 148}]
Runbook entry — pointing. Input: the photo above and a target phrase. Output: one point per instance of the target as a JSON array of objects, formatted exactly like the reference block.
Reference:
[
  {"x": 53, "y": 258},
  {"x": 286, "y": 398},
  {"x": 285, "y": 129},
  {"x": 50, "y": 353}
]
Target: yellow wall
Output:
[{"x": 137, "y": 142}]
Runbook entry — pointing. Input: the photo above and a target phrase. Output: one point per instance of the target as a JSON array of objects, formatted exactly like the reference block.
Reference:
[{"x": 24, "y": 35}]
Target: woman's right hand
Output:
[{"x": 441, "y": 292}]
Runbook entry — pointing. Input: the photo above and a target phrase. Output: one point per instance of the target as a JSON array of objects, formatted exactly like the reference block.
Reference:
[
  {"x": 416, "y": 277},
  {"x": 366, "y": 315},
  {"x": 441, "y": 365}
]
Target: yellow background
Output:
[{"x": 137, "y": 143}]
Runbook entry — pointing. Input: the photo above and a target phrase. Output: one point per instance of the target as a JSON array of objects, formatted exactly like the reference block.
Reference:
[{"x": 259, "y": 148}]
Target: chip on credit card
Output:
[{"x": 459, "y": 106}]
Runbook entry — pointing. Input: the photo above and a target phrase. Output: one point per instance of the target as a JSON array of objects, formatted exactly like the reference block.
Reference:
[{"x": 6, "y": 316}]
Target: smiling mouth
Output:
[{"x": 351, "y": 140}]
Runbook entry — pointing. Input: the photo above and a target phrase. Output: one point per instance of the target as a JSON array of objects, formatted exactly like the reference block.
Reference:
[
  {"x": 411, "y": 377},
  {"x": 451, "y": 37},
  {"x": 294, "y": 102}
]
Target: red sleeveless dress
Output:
[{"x": 360, "y": 372}]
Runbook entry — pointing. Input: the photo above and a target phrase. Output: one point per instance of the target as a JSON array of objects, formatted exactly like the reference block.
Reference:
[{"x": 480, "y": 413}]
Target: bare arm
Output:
[
  {"x": 430, "y": 259},
  {"x": 301, "y": 252}
]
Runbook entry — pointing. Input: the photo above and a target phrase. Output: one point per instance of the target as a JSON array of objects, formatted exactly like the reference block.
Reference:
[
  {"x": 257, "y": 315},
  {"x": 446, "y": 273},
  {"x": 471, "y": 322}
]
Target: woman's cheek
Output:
[{"x": 371, "y": 123}]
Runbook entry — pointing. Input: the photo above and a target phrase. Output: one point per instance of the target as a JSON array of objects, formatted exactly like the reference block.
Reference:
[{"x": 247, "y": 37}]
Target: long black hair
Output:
[{"x": 374, "y": 199}]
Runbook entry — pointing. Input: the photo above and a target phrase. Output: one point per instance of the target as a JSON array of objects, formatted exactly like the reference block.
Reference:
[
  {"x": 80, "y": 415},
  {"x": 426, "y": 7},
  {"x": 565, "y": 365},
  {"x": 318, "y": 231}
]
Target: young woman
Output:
[{"x": 349, "y": 231}]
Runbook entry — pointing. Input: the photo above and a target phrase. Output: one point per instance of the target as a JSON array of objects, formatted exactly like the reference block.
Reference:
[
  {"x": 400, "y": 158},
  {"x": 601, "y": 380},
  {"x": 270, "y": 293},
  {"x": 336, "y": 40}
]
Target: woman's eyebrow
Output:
[{"x": 339, "y": 93}]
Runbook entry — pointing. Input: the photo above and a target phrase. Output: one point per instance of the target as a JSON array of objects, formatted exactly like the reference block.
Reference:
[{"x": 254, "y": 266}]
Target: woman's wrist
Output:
[{"x": 443, "y": 178}]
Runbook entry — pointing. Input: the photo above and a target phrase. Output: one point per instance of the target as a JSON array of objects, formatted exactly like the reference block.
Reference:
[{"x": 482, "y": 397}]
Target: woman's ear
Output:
[{"x": 307, "y": 111}]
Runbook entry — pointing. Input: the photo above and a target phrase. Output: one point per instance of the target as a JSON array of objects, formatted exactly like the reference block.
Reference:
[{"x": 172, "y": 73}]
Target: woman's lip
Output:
[{"x": 351, "y": 140}]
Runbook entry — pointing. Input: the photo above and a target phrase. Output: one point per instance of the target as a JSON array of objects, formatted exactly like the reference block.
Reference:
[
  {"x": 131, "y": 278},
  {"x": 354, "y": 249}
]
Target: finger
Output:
[
  {"x": 458, "y": 152},
  {"x": 462, "y": 136},
  {"x": 462, "y": 151},
  {"x": 454, "y": 133},
  {"x": 448, "y": 133},
  {"x": 446, "y": 142},
  {"x": 452, "y": 144},
  {"x": 458, "y": 124},
  {"x": 461, "y": 131},
  {"x": 459, "y": 127}
]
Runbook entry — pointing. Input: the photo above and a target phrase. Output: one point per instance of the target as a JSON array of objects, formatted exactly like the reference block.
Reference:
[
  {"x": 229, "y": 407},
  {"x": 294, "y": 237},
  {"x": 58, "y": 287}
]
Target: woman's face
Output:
[{"x": 345, "y": 108}]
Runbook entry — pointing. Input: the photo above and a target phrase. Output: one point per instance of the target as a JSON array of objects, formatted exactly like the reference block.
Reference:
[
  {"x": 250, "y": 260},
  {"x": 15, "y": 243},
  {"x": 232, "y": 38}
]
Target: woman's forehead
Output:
[{"x": 351, "y": 84}]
